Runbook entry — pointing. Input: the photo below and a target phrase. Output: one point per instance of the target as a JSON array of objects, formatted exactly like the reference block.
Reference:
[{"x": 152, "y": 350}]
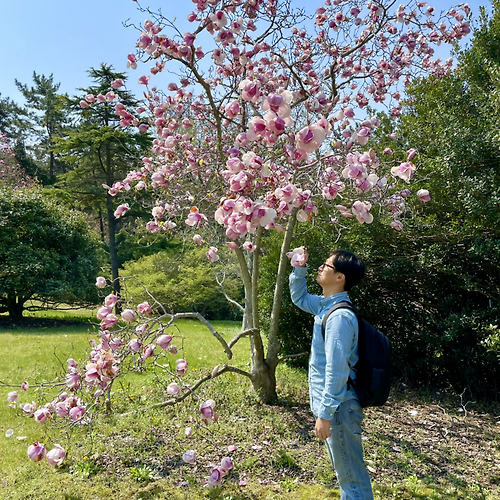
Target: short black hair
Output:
[{"x": 350, "y": 265}]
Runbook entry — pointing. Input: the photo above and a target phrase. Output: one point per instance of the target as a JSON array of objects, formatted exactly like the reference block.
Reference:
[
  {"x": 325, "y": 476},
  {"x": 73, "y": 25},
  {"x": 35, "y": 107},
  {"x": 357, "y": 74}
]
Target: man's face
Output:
[{"x": 326, "y": 272}]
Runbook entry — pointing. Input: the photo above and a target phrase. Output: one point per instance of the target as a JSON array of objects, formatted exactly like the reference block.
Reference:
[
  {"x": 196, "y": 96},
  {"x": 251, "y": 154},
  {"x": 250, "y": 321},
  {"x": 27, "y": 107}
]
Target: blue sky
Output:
[{"x": 67, "y": 37}]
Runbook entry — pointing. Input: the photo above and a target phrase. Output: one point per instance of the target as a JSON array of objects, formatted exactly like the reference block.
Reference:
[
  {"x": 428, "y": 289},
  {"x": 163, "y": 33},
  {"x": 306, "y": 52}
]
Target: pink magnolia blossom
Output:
[
  {"x": 12, "y": 397},
  {"x": 173, "y": 389},
  {"x": 36, "y": 451},
  {"x": 103, "y": 312},
  {"x": 141, "y": 328},
  {"x": 412, "y": 153},
  {"x": 249, "y": 246},
  {"x": 163, "y": 341},
  {"x": 404, "y": 171},
  {"x": 232, "y": 109},
  {"x": 110, "y": 301},
  {"x": 310, "y": 138},
  {"x": 62, "y": 409},
  {"x": 135, "y": 345},
  {"x": 423, "y": 195},
  {"x": 215, "y": 478},
  {"x": 189, "y": 457},
  {"x": 109, "y": 322},
  {"x": 362, "y": 212},
  {"x": 250, "y": 90},
  {"x": 115, "y": 343},
  {"x": 226, "y": 464},
  {"x": 197, "y": 240},
  {"x": 116, "y": 84},
  {"x": 28, "y": 408},
  {"x": 144, "y": 308},
  {"x": 121, "y": 210},
  {"x": 128, "y": 316},
  {"x": 195, "y": 218},
  {"x": 100, "y": 282},
  {"x": 207, "y": 411},
  {"x": 56, "y": 456},
  {"x": 72, "y": 380},
  {"x": 297, "y": 256},
  {"x": 77, "y": 412},
  {"x": 212, "y": 254},
  {"x": 397, "y": 225},
  {"x": 42, "y": 415},
  {"x": 25, "y": 386},
  {"x": 181, "y": 367}
]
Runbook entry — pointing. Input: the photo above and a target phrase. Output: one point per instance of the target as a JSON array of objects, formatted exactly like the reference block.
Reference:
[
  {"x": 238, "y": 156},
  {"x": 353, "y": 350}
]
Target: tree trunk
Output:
[
  {"x": 274, "y": 343},
  {"x": 15, "y": 306},
  {"x": 264, "y": 367},
  {"x": 51, "y": 167},
  {"x": 112, "y": 229},
  {"x": 112, "y": 248},
  {"x": 264, "y": 383}
]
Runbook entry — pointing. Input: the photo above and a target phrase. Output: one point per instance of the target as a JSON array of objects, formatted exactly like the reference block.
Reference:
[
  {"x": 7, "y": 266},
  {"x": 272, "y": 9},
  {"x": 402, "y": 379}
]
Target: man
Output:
[{"x": 333, "y": 401}]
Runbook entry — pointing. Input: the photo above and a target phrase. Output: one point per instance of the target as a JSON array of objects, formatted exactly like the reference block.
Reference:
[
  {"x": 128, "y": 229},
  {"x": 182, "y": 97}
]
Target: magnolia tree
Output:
[{"x": 265, "y": 128}]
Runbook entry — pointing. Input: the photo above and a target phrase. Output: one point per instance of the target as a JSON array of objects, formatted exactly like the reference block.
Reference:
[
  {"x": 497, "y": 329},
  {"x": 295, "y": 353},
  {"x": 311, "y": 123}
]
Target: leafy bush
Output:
[{"x": 185, "y": 282}]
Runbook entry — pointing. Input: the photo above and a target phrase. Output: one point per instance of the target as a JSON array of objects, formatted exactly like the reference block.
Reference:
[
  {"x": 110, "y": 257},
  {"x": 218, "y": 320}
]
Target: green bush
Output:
[{"x": 185, "y": 282}]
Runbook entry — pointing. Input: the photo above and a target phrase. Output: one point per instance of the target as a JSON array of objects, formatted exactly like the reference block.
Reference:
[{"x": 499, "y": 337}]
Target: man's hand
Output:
[
  {"x": 322, "y": 429},
  {"x": 306, "y": 256}
]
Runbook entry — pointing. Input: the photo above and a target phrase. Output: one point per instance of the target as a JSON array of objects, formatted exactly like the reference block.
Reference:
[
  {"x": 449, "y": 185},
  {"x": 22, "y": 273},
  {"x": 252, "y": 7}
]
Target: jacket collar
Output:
[{"x": 333, "y": 299}]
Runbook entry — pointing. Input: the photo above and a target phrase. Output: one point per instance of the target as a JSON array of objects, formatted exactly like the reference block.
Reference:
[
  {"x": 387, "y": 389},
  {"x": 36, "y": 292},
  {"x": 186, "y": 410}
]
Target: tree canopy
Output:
[{"x": 46, "y": 253}]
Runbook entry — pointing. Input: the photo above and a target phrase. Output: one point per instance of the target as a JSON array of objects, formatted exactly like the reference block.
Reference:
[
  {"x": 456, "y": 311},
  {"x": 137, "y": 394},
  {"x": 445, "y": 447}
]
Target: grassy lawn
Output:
[{"x": 417, "y": 447}]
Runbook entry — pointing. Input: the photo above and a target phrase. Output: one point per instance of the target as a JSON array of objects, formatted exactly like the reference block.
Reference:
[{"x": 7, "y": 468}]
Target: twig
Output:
[{"x": 291, "y": 356}]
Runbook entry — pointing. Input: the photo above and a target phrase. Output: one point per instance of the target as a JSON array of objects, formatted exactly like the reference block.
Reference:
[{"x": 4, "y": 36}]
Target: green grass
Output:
[{"x": 138, "y": 456}]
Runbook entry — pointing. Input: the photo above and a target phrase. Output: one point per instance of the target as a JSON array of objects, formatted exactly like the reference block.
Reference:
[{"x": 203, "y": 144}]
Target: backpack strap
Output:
[{"x": 345, "y": 304}]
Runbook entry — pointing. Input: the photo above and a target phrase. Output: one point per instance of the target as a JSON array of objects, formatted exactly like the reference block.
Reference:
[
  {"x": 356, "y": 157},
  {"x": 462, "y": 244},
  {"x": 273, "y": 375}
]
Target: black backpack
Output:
[{"x": 373, "y": 374}]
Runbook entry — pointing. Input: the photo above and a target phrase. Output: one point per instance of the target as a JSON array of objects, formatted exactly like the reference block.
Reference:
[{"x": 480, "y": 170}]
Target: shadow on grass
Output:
[{"x": 37, "y": 325}]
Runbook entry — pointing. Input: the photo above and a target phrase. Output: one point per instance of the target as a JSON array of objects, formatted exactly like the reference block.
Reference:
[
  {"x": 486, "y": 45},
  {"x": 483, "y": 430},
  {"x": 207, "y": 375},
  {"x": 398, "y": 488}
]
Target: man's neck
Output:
[{"x": 332, "y": 290}]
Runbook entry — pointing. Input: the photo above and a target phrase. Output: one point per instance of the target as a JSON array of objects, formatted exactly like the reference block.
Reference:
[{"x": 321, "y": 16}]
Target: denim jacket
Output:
[{"x": 331, "y": 360}]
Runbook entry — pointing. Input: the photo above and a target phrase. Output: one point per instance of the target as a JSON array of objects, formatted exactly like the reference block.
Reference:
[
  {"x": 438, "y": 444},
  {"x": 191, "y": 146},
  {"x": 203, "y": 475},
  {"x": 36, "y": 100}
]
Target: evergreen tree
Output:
[
  {"x": 44, "y": 108},
  {"x": 99, "y": 151}
]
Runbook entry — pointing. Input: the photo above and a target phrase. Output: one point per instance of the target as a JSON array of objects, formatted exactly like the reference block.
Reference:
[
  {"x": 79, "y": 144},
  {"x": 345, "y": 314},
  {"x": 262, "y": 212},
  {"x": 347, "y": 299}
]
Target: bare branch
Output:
[
  {"x": 244, "y": 333},
  {"x": 292, "y": 356}
]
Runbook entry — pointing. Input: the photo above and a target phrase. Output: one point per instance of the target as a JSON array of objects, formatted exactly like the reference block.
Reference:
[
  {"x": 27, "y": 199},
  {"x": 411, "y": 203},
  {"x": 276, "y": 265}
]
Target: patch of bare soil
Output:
[{"x": 447, "y": 440}]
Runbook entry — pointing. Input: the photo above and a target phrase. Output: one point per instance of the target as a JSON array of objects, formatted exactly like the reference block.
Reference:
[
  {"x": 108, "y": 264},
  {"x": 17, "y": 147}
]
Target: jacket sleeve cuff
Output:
[
  {"x": 326, "y": 412},
  {"x": 300, "y": 272}
]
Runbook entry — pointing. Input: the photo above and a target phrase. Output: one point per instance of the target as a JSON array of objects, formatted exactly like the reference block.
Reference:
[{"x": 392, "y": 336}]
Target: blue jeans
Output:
[{"x": 346, "y": 452}]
